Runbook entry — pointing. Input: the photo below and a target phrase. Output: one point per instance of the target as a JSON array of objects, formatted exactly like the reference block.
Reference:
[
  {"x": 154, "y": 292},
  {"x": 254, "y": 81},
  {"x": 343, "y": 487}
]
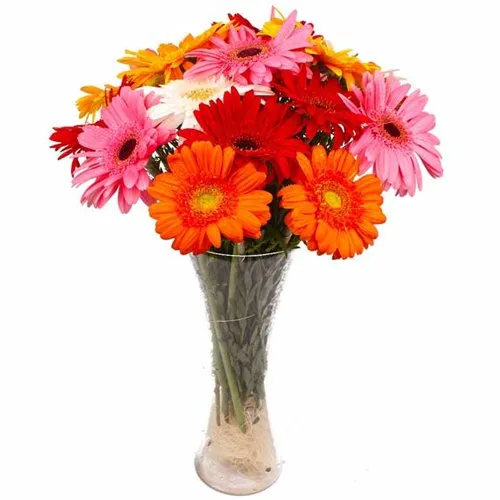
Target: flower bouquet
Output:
[{"x": 244, "y": 142}]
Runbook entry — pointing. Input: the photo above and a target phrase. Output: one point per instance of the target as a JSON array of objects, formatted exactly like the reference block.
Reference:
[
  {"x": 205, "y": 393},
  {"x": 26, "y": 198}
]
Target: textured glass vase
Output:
[{"x": 238, "y": 456}]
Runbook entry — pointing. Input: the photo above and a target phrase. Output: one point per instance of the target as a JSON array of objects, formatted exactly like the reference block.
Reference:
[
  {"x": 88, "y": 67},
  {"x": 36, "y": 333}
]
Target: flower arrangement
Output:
[
  {"x": 262, "y": 136},
  {"x": 246, "y": 141}
]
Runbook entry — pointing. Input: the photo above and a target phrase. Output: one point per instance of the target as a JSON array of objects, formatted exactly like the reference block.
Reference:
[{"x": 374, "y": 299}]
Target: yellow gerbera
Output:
[
  {"x": 96, "y": 98},
  {"x": 149, "y": 67},
  {"x": 343, "y": 64},
  {"x": 272, "y": 26}
]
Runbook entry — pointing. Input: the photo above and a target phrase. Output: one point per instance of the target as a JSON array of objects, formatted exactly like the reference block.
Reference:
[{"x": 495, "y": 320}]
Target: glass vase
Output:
[{"x": 238, "y": 456}]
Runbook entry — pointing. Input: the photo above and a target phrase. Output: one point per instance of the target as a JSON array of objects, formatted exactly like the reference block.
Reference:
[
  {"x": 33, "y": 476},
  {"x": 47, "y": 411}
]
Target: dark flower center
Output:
[
  {"x": 392, "y": 130},
  {"x": 127, "y": 149},
  {"x": 246, "y": 144},
  {"x": 250, "y": 52}
]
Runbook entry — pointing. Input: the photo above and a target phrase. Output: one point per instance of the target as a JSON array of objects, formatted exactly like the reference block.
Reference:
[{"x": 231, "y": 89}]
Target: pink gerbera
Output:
[
  {"x": 248, "y": 58},
  {"x": 399, "y": 133},
  {"x": 117, "y": 152}
]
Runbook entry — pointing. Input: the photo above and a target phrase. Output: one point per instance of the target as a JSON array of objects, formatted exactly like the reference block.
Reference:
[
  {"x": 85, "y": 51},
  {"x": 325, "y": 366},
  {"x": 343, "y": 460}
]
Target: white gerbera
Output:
[{"x": 181, "y": 98}]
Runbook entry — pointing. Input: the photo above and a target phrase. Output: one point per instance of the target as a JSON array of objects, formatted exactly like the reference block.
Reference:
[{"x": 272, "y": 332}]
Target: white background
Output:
[{"x": 385, "y": 370}]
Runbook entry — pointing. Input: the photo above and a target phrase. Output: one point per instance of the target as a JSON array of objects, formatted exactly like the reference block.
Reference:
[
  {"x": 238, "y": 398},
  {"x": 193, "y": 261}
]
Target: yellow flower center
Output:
[
  {"x": 333, "y": 199},
  {"x": 201, "y": 94},
  {"x": 206, "y": 199}
]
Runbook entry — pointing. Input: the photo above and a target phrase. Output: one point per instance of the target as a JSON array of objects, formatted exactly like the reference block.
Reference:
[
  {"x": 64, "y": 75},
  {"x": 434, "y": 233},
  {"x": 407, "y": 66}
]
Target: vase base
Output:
[{"x": 228, "y": 480}]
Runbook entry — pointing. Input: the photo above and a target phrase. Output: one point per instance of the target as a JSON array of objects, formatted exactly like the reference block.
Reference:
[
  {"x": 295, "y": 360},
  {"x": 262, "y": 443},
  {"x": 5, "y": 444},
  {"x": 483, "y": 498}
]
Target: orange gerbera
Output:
[
  {"x": 343, "y": 64},
  {"x": 96, "y": 98},
  {"x": 330, "y": 211},
  {"x": 168, "y": 62},
  {"x": 204, "y": 198}
]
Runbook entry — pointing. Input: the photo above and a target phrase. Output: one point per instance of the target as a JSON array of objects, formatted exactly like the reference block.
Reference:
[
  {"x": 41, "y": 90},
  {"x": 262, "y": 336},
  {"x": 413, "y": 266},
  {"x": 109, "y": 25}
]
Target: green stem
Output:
[
  {"x": 220, "y": 376},
  {"x": 226, "y": 361},
  {"x": 217, "y": 403},
  {"x": 233, "y": 387},
  {"x": 239, "y": 249},
  {"x": 225, "y": 398}
]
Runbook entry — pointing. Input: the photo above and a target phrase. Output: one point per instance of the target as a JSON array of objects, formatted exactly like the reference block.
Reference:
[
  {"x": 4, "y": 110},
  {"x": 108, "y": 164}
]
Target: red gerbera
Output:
[
  {"x": 239, "y": 20},
  {"x": 319, "y": 103},
  {"x": 264, "y": 134},
  {"x": 66, "y": 139}
]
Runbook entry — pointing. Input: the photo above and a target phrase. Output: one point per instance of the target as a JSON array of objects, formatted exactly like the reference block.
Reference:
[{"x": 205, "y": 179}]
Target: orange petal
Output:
[
  {"x": 333, "y": 240},
  {"x": 256, "y": 199},
  {"x": 307, "y": 207},
  {"x": 213, "y": 234},
  {"x": 368, "y": 229},
  {"x": 372, "y": 199},
  {"x": 356, "y": 241},
  {"x": 202, "y": 244},
  {"x": 188, "y": 240},
  {"x": 166, "y": 180},
  {"x": 319, "y": 158},
  {"x": 177, "y": 166},
  {"x": 247, "y": 179},
  {"x": 375, "y": 215},
  {"x": 305, "y": 165},
  {"x": 309, "y": 230},
  {"x": 175, "y": 243},
  {"x": 163, "y": 207},
  {"x": 162, "y": 194},
  {"x": 248, "y": 220},
  {"x": 293, "y": 193},
  {"x": 169, "y": 228},
  {"x": 202, "y": 151},
  {"x": 369, "y": 184},
  {"x": 216, "y": 161},
  {"x": 343, "y": 161},
  {"x": 321, "y": 236},
  {"x": 227, "y": 161},
  {"x": 344, "y": 245},
  {"x": 231, "y": 229},
  {"x": 190, "y": 163}
]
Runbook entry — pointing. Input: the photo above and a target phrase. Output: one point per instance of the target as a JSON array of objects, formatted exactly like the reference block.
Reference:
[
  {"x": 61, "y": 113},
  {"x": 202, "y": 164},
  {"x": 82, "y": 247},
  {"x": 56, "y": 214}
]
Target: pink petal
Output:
[
  {"x": 397, "y": 95},
  {"x": 144, "y": 181},
  {"x": 422, "y": 123},
  {"x": 94, "y": 137},
  {"x": 361, "y": 143},
  {"x": 91, "y": 173},
  {"x": 417, "y": 172},
  {"x": 130, "y": 177},
  {"x": 122, "y": 203},
  {"x": 432, "y": 162}
]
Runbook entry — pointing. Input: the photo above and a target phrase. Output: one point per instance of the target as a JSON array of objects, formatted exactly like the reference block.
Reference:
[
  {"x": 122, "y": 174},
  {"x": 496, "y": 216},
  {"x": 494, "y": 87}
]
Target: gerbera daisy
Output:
[
  {"x": 398, "y": 134},
  {"x": 342, "y": 64},
  {"x": 96, "y": 98},
  {"x": 246, "y": 57},
  {"x": 238, "y": 20},
  {"x": 261, "y": 133},
  {"x": 204, "y": 198},
  {"x": 330, "y": 211},
  {"x": 272, "y": 27},
  {"x": 183, "y": 97},
  {"x": 319, "y": 103},
  {"x": 116, "y": 153},
  {"x": 66, "y": 141},
  {"x": 149, "y": 67}
]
